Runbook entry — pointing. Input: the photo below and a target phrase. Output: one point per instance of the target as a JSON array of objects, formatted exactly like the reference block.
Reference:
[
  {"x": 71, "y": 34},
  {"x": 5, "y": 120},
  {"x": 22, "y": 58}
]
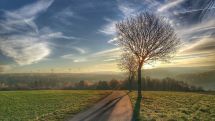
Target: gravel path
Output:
[{"x": 115, "y": 107}]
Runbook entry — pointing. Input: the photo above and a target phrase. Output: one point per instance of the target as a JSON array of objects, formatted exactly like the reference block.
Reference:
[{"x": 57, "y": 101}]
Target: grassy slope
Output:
[
  {"x": 45, "y": 105},
  {"x": 176, "y": 106}
]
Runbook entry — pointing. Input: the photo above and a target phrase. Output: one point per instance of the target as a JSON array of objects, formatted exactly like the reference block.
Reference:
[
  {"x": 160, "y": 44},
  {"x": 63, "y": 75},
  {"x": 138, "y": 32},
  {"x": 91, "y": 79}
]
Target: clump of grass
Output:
[{"x": 174, "y": 106}]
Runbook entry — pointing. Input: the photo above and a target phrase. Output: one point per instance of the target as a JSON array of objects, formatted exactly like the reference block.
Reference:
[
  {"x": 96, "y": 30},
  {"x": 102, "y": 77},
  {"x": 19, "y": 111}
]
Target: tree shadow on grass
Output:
[{"x": 136, "y": 114}]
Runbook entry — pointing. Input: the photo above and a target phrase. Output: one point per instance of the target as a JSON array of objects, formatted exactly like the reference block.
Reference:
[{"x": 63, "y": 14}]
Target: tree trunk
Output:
[
  {"x": 139, "y": 81},
  {"x": 132, "y": 79},
  {"x": 129, "y": 82}
]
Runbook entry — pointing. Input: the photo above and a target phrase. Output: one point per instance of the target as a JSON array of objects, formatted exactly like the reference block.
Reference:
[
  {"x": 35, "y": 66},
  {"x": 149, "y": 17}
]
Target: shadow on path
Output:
[
  {"x": 107, "y": 107},
  {"x": 101, "y": 111},
  {"x": 136, "y": 113}
]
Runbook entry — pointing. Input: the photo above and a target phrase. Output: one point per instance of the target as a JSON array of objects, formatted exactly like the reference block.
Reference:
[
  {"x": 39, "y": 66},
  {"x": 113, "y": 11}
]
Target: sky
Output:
[{"x": 78, "y": 35}]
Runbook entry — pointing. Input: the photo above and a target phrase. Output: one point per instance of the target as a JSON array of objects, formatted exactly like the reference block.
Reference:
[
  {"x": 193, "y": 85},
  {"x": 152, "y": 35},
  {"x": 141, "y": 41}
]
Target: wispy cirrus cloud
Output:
[
  {"x": 200, "y": 29},
  {"x": 112, "y": 41},
  {"x": 57, "y": 35},
  {"x": 46, "y": 33},
  {"x": 109, "y": 60},
  {"x": 114, "y": 51},
  {"x": 107, "y": 55},
  {"x": 25, "y": 51},
  {"x": 125, "y": 9},
  {"x": 66, "y": 15},
  {"x": 104, "y": 55},
  {"x": 21, "y": 39},
  {"x": 32, "y": 10},
  {"x": 24, "y": 41},
  {"x": 75, "y": 58},
  {"x": 68, "y": 56},
  {"x": 193, "y": 10},
  {"x": 169, "y": 5},
  {"x": 204, "y": 44},
  {"x": 78, "y": 54},
  {"x": 80, "y": 50},
  {"x": 23, "y": 18},
  {"x": 109, "y": 27}
]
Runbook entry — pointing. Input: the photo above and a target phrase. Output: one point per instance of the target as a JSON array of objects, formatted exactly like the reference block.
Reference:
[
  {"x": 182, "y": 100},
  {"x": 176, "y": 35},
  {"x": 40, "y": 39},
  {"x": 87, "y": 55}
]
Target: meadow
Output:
[
  {"x": 175, "y": 106},
  {"x": 44, "y": 105}
]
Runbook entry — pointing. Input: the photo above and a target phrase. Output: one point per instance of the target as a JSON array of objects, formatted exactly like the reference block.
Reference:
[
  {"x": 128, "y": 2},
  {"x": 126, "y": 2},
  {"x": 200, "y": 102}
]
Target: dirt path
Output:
[{"x": 115, "y": 107}]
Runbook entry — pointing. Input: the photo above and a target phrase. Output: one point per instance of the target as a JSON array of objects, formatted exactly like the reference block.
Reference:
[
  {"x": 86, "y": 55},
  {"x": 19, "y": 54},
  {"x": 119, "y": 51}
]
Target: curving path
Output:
[{"x": 115, "y": 107}]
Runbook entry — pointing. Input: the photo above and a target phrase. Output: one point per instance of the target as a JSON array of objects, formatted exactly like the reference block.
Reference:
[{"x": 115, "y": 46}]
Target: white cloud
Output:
[
  {"x": 68, "y": 56},
  {"x": 193, "y": 10},
  {"x": 66, "y": 16},
  {"x": 204, "y": 44},
  {"x": 112, "y": 41},
  {"x": 23, "y": 18},
  {"x": 111, "y": 59},
  {"x": 109, "y": 52},
  {"x": 74, "y": 58},
  {"x": 197, "y": 28},
  {"x": 24, "y": 51},
  {"x": 33, "y": 9},
  {"x": 67, "y": 12},
  {"x": 80, "y": 57},
  {"x": 198, "y": 53},
  {"x": 26, "y": 43},
  {"x": 63, "y": 16},
  {"x": 47, "y": 33},
  {"x": 169, "y": 5},
  {"x": 109, "y": 28},
  {"x": 105, "y": 55},
  {"x": 23, "y": 42},
  {"x": 57, "y": 35},
  {"x": 79, "y": 60},
  {"x": 80, "y": 50},
  {"x": 126, "y": 9}
]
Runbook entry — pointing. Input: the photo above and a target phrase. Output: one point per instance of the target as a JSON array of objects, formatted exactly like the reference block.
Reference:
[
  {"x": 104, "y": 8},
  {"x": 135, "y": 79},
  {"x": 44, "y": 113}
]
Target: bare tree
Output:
[
  {"x": 128, "y": 63},
  {"x": 148, "y": 37}
]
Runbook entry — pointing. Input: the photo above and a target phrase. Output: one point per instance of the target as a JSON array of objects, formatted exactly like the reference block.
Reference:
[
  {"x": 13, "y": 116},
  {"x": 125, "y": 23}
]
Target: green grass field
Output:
[
  {"x": 175, "y": 106},
  {"x": 44, "y": 105}
]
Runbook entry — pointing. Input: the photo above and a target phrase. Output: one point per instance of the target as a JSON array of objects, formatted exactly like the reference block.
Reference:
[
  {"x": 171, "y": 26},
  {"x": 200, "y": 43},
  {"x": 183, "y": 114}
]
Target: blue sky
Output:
[{"x": 39, "y": 35}]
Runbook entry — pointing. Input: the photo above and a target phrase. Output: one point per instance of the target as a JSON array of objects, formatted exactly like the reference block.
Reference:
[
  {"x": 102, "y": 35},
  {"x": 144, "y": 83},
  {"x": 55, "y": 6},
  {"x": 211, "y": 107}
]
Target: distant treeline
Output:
[
  {"x": 149, "y": 84},
  {"x": 51, "y": 81}
]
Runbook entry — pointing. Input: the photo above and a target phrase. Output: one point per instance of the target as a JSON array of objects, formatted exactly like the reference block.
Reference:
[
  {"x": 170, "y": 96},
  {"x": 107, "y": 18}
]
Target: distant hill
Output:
[
  {"x": 16, "y": 77},
  {"x": 199, "y": 76},
  {"x": 174, "y": 71},
  {"x": 204, "y": 79}
]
